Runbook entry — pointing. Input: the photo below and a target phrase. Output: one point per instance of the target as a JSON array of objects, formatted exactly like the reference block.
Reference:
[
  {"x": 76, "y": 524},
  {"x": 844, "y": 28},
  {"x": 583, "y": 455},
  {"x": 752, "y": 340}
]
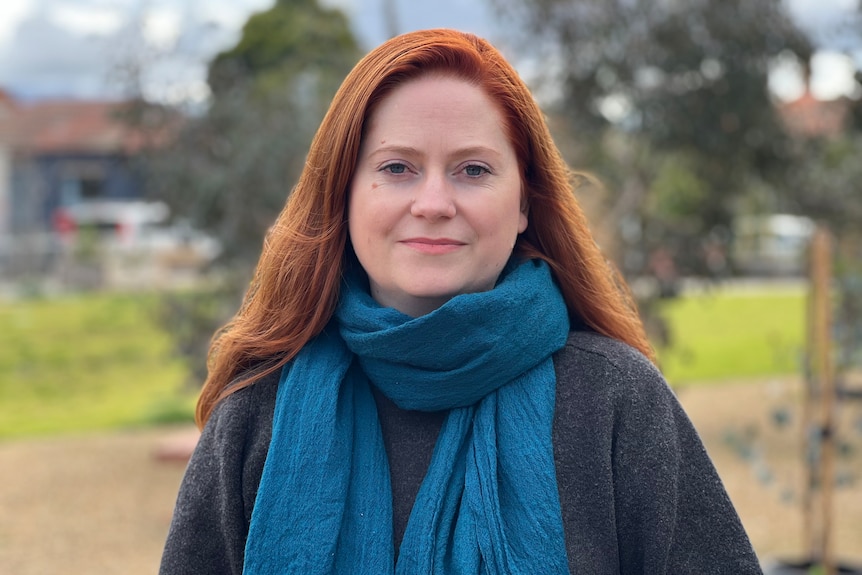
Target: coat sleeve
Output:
[
  {"x": 210, "y": 522},
  {"x": 639, "y": 493},
  {"x": 673, "y": 514}
]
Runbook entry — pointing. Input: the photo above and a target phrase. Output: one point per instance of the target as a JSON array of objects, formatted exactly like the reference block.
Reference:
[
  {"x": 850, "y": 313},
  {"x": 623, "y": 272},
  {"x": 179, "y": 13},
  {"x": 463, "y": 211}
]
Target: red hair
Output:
[{"x": 296, "y": 283}]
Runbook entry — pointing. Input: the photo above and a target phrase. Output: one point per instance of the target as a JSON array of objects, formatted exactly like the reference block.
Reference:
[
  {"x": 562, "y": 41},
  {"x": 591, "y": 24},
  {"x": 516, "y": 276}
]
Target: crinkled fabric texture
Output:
[{"x": 489, "y": 501}]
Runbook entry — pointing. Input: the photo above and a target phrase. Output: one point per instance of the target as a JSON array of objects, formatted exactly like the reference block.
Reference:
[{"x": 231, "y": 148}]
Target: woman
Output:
[{"x": 435, "y": 371}]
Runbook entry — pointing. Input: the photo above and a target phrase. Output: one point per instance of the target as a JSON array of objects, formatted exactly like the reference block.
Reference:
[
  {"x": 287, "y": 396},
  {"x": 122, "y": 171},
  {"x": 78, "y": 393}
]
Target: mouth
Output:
[{"x": 434, "y": 246}]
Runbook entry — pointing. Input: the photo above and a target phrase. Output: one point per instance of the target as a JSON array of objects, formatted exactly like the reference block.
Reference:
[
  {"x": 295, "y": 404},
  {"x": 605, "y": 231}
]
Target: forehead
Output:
[{"x": 434, "y": 100}]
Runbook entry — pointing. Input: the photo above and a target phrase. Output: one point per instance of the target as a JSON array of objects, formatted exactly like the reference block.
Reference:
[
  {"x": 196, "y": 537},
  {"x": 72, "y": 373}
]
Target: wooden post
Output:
[
  {"x": 810, "y": 459},
  {"x": 823, "y": 378}
]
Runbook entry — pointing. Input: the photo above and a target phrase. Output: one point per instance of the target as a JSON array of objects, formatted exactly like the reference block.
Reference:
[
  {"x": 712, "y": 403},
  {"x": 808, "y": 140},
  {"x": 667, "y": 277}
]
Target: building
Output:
[
  {"x": 73, "y": 200},
  {"x": 7, "y": 112},
  {"x": 808, "y": 117},
  {"x": 56, "y": 154}
]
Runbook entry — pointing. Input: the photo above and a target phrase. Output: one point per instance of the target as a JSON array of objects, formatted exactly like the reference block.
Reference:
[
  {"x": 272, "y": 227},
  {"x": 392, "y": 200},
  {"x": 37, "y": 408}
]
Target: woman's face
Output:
[{"x": 435, "y": 202}]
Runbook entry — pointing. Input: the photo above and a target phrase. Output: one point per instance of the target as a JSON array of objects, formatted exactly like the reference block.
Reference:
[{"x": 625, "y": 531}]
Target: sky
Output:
[{"x": 91, "y": 48}]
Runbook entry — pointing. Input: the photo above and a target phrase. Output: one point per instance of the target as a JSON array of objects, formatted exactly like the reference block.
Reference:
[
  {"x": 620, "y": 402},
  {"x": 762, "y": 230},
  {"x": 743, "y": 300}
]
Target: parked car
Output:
[
  {"x": 133, "y": 227},
  {"x": 771, "y": 245}
]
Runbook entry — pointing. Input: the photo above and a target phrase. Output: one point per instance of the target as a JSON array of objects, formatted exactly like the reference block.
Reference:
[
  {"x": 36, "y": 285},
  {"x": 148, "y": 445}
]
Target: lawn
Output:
[
  {"x": 84, "y": 363},
  {"x": 734, "y": 333},
  {"x": 101, "y": 361}
]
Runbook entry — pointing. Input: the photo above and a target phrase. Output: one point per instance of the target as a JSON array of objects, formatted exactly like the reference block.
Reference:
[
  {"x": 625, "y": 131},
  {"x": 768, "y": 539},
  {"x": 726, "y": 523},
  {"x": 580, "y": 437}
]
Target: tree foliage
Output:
[
  {"x": 293, "y": 39},
  {"x": 827, "y": 186},
  {"x": 230, "y": 169},
  {"x": 666, "y": 100}
]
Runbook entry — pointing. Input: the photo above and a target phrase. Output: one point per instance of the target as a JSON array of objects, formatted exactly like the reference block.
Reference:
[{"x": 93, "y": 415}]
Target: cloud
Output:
[
  {"x": 832, "y": 24},
  {"x": 832, "y": 76},
  {"x": 44, "y": 59},
  {"x": 95, "y": 20},
  {"x": 162, "y": 27},
  {"x": 94, "y": 48},
  {"x": 99, "y": 49},
  {"x": 10, "y": 14}
]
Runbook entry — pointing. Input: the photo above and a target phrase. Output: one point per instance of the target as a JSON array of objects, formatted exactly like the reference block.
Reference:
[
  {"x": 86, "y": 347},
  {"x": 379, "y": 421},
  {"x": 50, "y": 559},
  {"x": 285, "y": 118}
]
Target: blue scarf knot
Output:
[{"x": 489, "y": 502}]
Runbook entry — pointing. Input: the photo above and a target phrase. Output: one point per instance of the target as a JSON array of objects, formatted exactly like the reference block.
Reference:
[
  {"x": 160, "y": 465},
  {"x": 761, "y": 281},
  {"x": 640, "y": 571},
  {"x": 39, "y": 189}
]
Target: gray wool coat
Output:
[{"x": 638, "y": 491}]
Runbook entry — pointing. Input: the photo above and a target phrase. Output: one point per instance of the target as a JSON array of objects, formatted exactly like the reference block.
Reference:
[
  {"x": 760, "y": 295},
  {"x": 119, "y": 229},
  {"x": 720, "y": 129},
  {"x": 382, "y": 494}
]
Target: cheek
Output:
[
  {"x": 367, "y": 224},
  {"x": 512, "y": 219},
  {"x": 357, "y": 228}
]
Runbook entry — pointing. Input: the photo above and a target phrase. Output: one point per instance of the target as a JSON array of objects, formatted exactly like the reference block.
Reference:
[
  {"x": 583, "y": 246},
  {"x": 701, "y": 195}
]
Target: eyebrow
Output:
[{"x": 411, "y": 151}]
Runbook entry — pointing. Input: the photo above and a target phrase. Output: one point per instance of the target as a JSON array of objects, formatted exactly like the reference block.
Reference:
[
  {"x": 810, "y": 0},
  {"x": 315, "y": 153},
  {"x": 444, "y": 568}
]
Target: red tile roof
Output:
[
  {"x": 808, "y": 117},
  {"x": 6, "y": 101},
  {"x": 69, "y": 126}
]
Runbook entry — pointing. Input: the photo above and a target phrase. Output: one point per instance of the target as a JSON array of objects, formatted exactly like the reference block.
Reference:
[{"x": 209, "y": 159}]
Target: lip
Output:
[{"x": 434, "y": 246}]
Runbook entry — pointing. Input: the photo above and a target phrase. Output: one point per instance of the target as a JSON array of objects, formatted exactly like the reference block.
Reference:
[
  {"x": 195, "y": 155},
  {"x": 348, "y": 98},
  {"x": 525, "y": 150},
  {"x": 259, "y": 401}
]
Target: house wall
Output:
[
  {"x": 44, "y": 183},
  {"x": 5, "y": 190}
]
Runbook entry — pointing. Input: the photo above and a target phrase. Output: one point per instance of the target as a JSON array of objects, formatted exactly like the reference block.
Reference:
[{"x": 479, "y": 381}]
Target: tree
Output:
[
  {"x": 295, "y": 41},
  {"x": 668, "y": 103},
  {"x": 230, "y": 169}
]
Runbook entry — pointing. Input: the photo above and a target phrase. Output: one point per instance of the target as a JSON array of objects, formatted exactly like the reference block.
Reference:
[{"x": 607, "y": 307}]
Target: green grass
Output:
[
  {"x": 731, "y": 334},
  {"x": 84, "y": 363},
  {"x": 100, "y": 361}
]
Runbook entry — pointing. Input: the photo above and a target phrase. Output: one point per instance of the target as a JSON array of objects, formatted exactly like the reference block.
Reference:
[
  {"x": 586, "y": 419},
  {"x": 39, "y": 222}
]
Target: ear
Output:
[{"x": 525, "y": 212}]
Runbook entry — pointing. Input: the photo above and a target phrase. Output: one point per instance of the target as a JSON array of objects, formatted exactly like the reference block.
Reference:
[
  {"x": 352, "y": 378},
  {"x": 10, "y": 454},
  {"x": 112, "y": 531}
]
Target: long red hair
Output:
[{"x": 296, "y": 283}]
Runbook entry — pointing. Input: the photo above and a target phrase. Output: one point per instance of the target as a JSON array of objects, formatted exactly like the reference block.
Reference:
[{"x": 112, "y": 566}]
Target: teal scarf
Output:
[{"x": 489, "y": 502}]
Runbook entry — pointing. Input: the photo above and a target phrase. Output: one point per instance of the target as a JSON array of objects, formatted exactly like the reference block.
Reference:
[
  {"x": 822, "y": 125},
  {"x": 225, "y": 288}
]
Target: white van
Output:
[
  {"x": 771, "y": 245},
  {"x": 138, "y": 227}
]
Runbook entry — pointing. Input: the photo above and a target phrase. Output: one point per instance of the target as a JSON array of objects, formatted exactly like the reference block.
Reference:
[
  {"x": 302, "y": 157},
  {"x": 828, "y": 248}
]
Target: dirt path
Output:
[
  {"x": 101, "y": 504},
  {"x": 767, "y": 490},
  {"x": 94, "y": 505}
]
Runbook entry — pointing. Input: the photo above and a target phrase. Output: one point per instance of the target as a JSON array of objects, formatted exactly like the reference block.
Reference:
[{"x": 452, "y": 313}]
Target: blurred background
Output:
[{"x": 147, "y": 145}]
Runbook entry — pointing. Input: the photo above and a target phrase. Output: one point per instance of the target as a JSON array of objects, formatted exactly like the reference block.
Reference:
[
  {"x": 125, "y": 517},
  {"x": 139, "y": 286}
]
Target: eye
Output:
[
  {"x": 475, "y": 170},
  {"x": 395, "y": 168}
]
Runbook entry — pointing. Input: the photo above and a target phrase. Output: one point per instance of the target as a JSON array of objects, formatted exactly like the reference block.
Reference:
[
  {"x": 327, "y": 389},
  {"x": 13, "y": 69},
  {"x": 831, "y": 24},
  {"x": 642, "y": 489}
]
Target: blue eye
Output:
[
  {"x": 475, "y": 170},
  {"x": 395, "y": 168}
]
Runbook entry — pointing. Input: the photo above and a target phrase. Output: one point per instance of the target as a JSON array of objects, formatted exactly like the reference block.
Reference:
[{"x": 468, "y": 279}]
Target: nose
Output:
[{"x": 433, "y": 199}]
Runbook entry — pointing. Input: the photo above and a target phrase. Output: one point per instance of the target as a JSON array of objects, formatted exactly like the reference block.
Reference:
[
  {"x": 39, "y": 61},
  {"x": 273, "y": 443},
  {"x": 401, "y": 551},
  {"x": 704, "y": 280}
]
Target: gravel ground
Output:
[{"x": 101, "y": 504}]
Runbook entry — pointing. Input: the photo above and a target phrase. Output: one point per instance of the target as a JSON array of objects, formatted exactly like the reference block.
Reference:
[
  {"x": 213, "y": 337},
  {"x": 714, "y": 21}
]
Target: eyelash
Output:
[
  {"x": 482, "y": 169},
  {"x": 387, "y": 167}
]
